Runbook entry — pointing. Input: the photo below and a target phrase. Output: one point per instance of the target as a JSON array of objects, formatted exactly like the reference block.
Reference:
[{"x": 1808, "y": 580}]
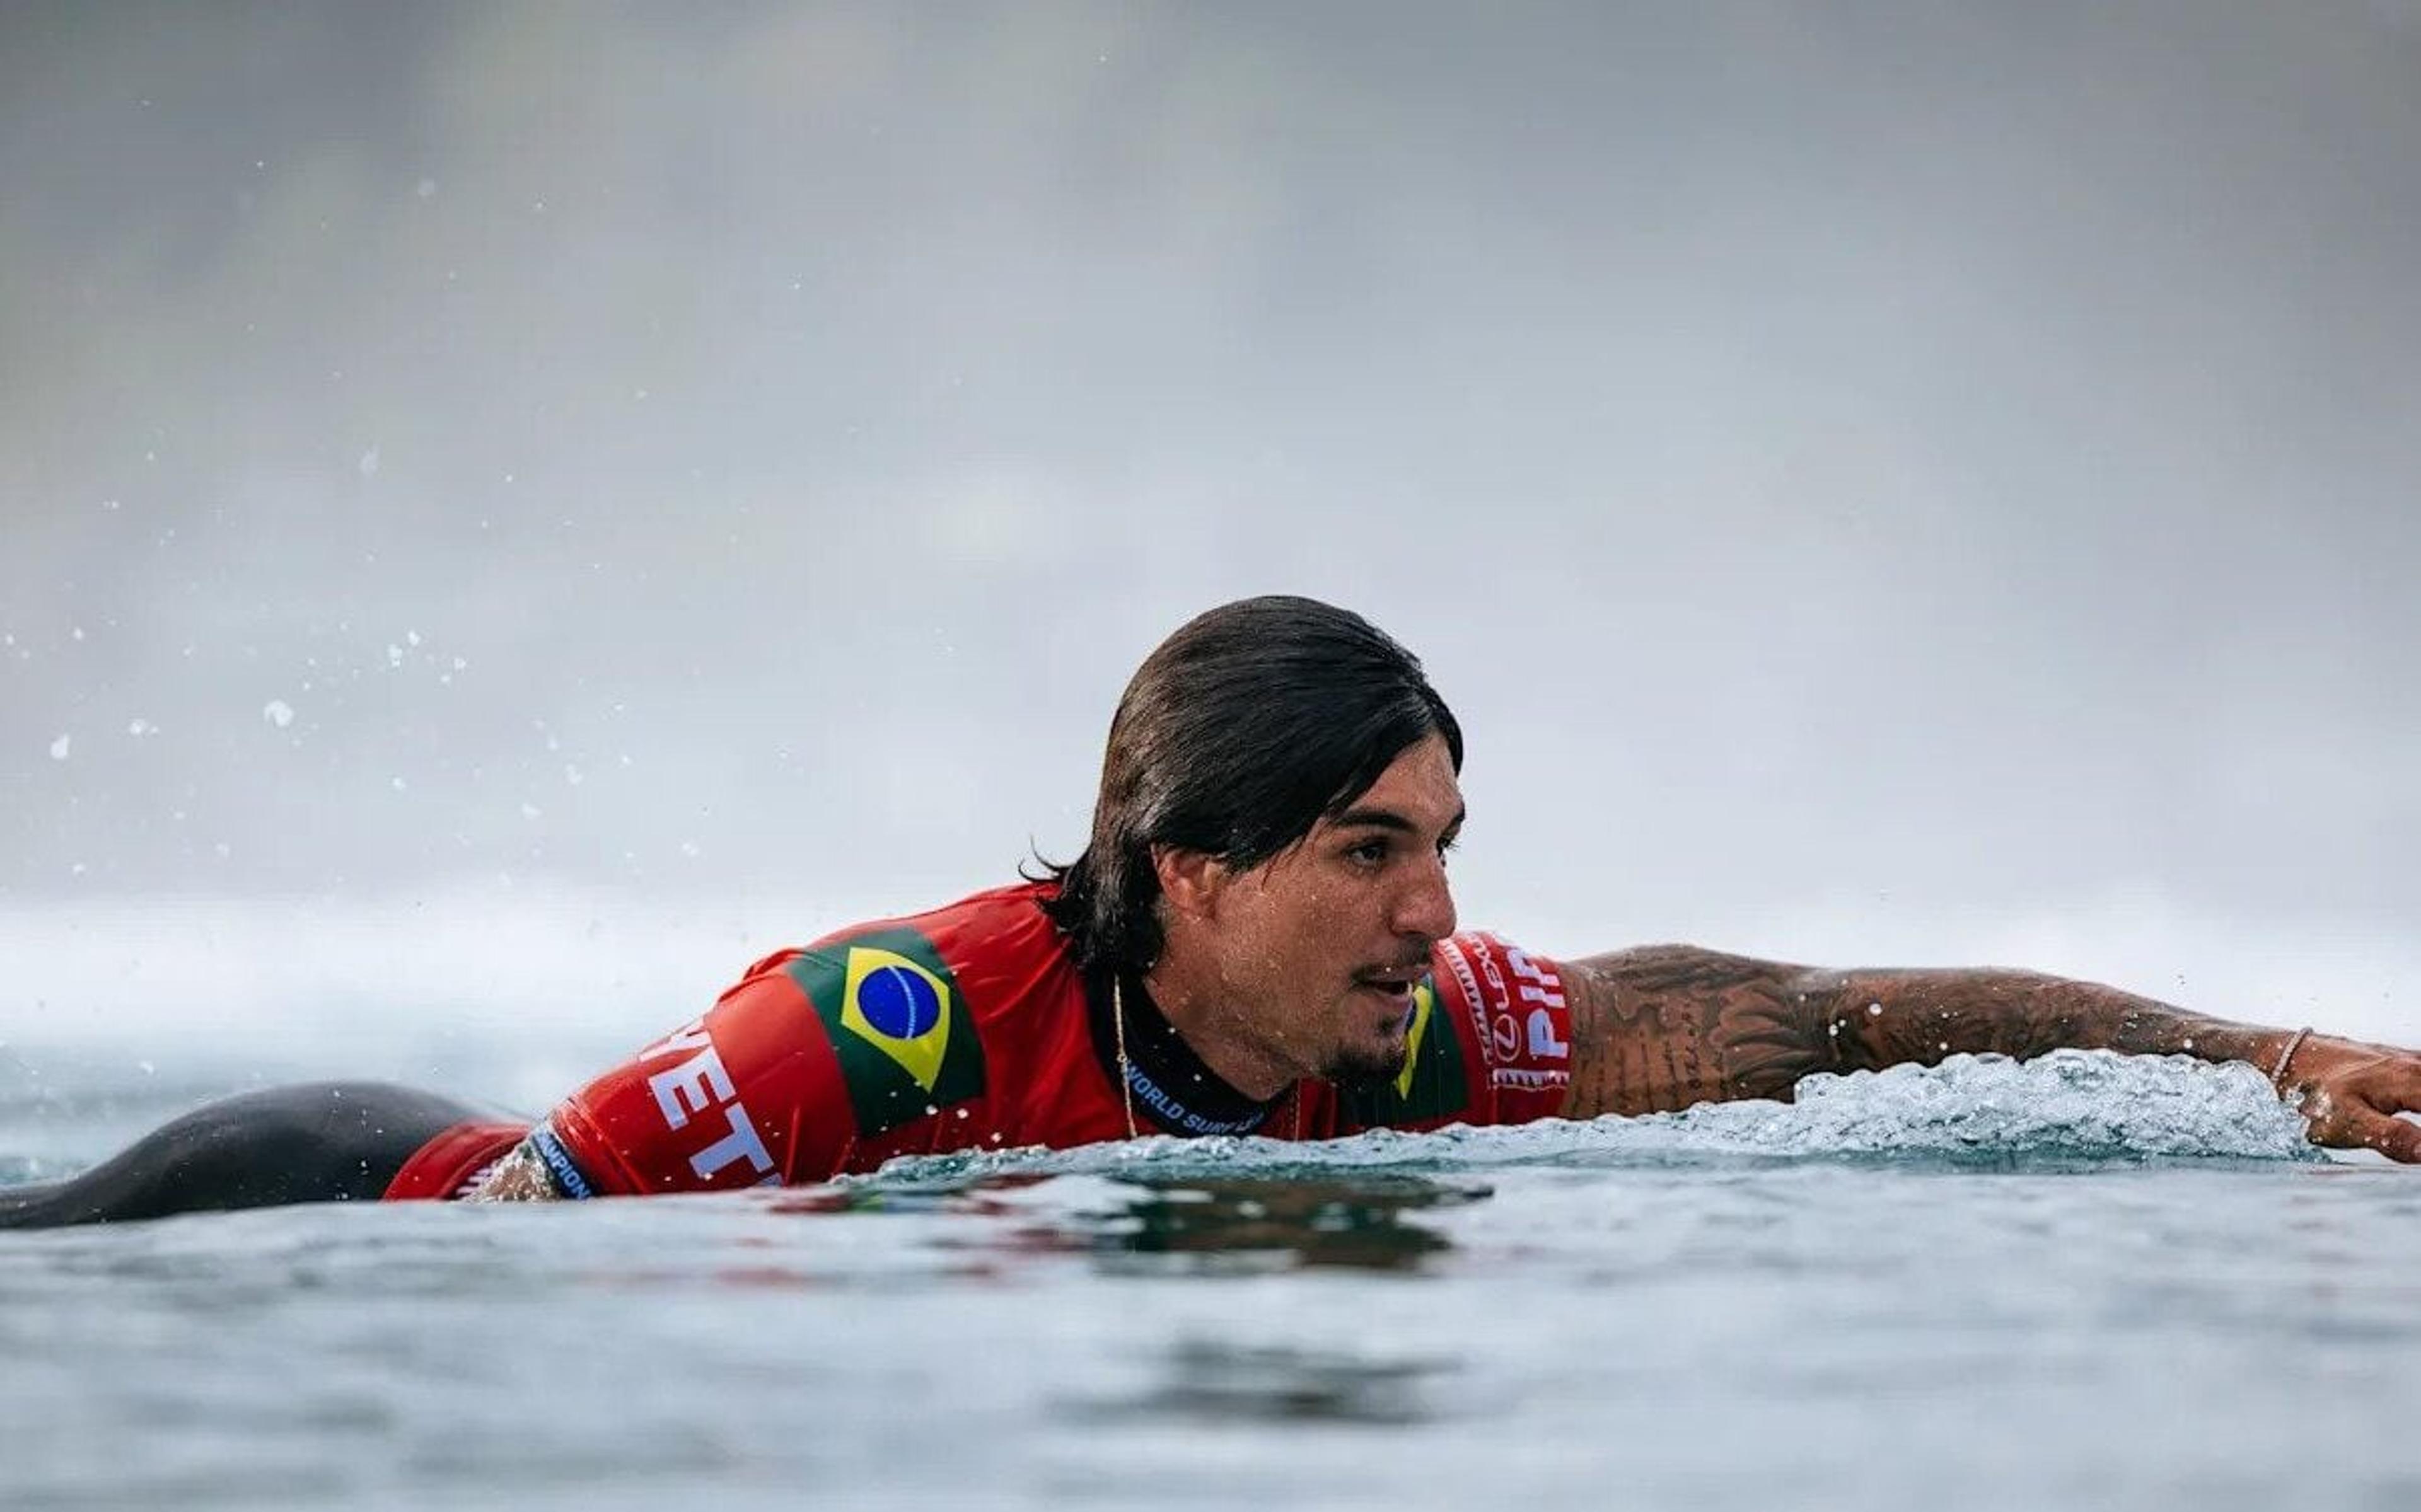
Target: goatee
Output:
[{"x": 1364, "y": 1070}]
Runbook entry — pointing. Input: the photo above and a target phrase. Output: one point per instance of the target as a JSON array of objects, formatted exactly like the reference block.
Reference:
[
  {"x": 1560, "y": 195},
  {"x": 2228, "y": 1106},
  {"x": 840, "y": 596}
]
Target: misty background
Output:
[{"x": 509, "y": 512}]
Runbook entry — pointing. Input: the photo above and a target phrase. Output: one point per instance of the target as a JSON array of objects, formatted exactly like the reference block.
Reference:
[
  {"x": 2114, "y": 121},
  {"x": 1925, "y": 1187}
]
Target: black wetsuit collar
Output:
[{"x": 1172, "y": 1089}]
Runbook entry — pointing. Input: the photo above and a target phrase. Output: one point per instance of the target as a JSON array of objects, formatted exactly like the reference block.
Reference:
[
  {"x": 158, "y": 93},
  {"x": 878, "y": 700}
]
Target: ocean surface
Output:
[{"x": 2081, "y": 1282}]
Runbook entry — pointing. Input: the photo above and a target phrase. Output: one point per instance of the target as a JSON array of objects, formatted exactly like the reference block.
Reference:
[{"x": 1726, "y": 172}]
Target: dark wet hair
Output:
[{"x": 1237, "y": 735}]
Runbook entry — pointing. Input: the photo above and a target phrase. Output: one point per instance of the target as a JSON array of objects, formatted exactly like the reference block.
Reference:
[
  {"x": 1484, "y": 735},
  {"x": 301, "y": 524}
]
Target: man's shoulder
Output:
[
  {"x": 1006, "y": 921},
  {"x": 995, "y": 951},
  {"x": 973, "y": 929},
  {"x": 920, "y": 1009},
  {"x": 1511, "y": 1004}
]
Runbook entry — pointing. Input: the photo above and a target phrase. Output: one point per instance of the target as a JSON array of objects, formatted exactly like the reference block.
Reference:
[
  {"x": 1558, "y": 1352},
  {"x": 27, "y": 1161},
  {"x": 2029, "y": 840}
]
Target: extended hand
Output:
[{"x": 2351, "y": 1093}]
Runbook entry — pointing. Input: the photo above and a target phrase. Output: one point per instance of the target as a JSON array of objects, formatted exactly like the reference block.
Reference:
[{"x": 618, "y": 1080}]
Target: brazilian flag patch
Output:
[
  {"x": 906, "y": 1042},
  {"x": 1430, "y": 1086}
]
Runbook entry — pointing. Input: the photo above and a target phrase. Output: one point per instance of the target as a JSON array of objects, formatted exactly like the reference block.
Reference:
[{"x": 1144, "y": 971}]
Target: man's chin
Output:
[{"x": 1363, "y": 1070}]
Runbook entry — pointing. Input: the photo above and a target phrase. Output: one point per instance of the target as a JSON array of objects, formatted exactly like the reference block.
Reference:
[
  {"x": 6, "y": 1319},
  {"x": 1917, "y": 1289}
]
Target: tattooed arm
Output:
[{"x": 1666, "y": 1026}]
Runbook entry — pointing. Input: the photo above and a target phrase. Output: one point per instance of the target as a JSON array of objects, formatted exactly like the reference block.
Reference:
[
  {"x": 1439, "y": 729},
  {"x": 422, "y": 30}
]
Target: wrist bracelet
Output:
[{"x": 2294, "y": 1043}]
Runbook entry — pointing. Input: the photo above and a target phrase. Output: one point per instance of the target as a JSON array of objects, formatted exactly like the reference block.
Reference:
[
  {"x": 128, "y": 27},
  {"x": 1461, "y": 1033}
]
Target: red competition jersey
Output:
[{"x": 970, "y": 1027}]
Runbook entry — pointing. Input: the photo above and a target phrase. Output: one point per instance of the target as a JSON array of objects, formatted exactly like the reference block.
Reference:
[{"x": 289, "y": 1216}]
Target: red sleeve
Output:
[
  {"x": 750, "y": 1095},
  {"x": 833, "y": 1058},
  {"x": 1518, "y": 1018},
  {"x": 454, "y": 1161}
]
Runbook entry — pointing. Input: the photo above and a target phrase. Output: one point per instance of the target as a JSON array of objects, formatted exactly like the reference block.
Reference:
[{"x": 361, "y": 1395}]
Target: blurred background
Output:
[{"x": 509, "y": 512}]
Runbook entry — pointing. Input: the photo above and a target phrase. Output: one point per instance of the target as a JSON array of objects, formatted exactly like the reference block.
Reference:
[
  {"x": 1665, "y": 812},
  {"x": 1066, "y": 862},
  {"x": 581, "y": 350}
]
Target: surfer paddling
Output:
[{"x": 1259, "y": 938}]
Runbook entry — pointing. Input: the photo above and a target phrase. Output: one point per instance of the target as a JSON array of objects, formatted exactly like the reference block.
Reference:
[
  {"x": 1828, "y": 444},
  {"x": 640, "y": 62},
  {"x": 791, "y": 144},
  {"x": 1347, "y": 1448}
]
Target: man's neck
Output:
[{"x": 1196, "y": 1009}]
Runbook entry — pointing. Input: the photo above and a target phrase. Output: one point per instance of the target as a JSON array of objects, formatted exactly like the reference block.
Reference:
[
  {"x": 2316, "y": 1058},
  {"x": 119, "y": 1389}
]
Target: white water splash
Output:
[
  {"x": 2087, "y": 1103},
  {"x": 2068, "y": 1107}
]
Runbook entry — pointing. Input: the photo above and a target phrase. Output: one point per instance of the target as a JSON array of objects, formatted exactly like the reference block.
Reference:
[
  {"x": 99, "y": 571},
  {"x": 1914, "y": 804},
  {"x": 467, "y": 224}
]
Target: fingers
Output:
[
  {"x": 2345, "y": 1125},
  {"x": 2397, "y": 1139}
]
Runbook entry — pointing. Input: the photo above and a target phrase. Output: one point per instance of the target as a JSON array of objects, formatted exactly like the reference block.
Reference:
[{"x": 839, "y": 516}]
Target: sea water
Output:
[{"x": 2083, "y": 1282}]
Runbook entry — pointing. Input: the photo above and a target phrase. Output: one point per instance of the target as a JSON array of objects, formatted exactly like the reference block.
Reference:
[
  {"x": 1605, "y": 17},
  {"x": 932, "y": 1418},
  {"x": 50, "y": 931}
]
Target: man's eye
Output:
[{"x": 1369, "y": 852}]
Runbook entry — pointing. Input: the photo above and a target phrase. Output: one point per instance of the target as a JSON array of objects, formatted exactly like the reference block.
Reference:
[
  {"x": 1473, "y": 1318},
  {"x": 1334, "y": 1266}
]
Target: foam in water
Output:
[{"x": 2069, "y": 1106}]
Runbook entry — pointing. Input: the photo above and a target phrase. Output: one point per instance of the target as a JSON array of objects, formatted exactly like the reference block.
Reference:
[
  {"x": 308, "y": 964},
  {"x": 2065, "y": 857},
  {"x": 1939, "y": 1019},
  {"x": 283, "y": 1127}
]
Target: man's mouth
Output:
[{"x": 1395, "y": 984}]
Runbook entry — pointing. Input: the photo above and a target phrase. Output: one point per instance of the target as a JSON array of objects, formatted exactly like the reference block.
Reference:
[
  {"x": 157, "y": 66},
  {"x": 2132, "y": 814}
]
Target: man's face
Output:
[{"x": 1318, "y": 948}]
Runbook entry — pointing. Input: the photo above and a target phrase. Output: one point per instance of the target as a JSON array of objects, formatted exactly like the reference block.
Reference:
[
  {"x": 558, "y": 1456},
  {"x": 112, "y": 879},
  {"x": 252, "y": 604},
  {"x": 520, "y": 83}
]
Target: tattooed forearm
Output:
[
  {"x": 1666, "y": 1026},
  {"x": 1883, "y": 1018}
]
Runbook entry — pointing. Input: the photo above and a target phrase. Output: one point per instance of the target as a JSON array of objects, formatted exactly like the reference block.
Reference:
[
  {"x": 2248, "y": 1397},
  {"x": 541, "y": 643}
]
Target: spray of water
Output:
[{"x": 2069, "y": 1108}]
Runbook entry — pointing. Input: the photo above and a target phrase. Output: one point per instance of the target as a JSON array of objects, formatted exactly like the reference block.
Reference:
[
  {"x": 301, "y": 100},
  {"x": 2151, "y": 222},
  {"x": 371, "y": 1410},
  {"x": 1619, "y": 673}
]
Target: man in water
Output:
[{"x": 1258, "y": 939}]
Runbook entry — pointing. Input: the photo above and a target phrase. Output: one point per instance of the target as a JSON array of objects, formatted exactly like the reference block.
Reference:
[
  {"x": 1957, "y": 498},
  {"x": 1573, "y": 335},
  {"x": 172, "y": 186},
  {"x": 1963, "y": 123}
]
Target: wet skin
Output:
[{"x": 1304, "y": 965}]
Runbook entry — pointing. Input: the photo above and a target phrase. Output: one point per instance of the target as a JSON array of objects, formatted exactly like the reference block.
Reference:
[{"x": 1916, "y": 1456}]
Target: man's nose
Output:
[{"x": 1427, "y": 907}]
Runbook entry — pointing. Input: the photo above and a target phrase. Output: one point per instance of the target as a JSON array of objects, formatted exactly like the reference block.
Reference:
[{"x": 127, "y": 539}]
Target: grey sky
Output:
[{"x": 1955, "y": 457}]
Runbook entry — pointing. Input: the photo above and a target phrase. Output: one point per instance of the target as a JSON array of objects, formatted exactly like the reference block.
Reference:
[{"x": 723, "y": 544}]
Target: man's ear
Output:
[{"x": 1191, "y": 880}]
